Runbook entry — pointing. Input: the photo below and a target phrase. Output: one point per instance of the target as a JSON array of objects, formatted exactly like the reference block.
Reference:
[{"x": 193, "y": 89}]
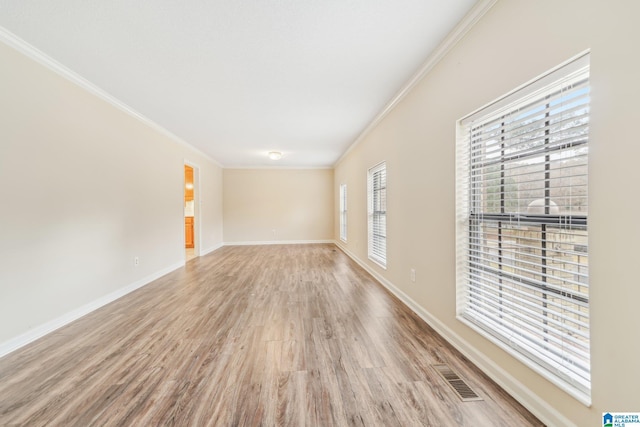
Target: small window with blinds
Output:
[
  {"x": 343, "y": 212},
  {"x": 377, "y": 210},
  {"x": 522, "y": 240}
]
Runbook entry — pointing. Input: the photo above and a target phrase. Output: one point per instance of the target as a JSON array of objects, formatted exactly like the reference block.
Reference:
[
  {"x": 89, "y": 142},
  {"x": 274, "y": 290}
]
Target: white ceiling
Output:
[{"x": 237, "y": 79}]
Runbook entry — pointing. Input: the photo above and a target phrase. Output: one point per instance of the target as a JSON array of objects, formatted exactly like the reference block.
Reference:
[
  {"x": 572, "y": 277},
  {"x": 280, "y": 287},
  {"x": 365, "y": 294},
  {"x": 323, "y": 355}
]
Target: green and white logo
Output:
[{"x": 621, "y": 419}]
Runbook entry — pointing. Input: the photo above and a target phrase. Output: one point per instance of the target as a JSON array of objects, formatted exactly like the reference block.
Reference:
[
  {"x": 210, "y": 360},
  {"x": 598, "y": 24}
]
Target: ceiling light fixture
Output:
[
  {"x": 189, "y": 186},
  {"x": 275, "y": 155}
]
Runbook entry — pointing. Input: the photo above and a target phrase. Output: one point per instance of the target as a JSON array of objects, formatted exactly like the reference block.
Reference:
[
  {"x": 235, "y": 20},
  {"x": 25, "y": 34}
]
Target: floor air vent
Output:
[{"x": 461, "y": 388}]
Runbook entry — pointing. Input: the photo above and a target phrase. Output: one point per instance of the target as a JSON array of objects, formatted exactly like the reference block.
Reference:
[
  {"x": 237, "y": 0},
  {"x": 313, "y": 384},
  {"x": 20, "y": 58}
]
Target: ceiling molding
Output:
[
  {"x": 13, "y": 41},
  {"x": 460, "y": 30}
]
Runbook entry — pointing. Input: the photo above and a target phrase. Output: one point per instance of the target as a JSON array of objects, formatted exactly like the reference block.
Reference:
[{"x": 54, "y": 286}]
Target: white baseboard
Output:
[
  {"x": 534, "y": 403},
  {"x": 39, "y": 331},
  {"x": 204, "y": 252},
  {"x": 21, "y": 340},
  {"x": 278, "y": 242}
]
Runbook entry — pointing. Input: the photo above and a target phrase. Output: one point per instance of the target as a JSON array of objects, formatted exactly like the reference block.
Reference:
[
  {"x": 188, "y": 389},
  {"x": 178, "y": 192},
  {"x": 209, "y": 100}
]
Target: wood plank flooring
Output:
[{"x": 249, "y": 336}]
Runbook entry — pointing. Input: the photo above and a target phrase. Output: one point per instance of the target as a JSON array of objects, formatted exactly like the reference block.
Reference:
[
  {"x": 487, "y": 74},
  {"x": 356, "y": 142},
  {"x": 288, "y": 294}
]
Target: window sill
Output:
[
  {"x": 563, "y": 385},
  {"x": 378, "y": 263}
]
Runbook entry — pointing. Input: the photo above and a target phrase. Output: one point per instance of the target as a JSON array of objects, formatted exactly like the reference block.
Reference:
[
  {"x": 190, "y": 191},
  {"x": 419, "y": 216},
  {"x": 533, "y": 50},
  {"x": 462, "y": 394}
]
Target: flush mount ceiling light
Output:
[
  {"x": 189, "y": 186},
  {"x": 275, "y": 155}
]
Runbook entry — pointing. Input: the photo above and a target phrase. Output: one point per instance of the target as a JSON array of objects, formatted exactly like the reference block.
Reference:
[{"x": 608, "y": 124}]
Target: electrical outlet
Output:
[
  {"x": 413, "y": 274},
  {"x": 136, "y": 261}
]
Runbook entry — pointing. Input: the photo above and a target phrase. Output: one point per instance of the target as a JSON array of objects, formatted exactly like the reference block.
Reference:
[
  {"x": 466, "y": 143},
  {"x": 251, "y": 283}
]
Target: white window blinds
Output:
[
  {"x": 343, "y": 212},
  {"x": 522, "y": 250},
  {"x": 377, "y": 209}
]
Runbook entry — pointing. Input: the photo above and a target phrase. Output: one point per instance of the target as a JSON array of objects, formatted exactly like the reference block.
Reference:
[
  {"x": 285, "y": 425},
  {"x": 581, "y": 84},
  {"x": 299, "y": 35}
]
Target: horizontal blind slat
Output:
[{"x": 547, "y": 336}]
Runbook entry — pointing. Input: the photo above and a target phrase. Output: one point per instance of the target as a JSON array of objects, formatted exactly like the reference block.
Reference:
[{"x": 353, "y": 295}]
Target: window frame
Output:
[
  {"x": 377, "y": 219},
  {"x": 469, "y": 222},
  {"x": 343, "y": 212}
]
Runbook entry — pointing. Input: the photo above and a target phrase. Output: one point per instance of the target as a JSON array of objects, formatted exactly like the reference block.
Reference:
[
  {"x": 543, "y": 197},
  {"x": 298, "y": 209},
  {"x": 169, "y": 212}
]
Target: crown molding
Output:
[
  {"x": 460, "y": 30},
  {"x": 15, "y": 42}
]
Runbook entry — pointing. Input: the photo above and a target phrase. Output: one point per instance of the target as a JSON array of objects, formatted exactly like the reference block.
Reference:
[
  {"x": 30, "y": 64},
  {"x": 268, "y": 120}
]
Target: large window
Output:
[
  {"x": 522, "y": 251},
  {"x": 377, "y": 209},
  {"x": 343, "y": 212}
]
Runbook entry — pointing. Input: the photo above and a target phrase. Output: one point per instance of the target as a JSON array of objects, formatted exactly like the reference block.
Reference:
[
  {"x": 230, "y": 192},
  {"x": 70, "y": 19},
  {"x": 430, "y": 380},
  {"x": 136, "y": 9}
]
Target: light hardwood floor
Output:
[{"x": 249, "y": 335}]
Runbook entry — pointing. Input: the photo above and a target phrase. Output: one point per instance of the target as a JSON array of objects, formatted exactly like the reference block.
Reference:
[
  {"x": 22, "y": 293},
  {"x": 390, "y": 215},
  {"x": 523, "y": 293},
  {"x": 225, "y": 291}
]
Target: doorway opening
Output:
[{"x": 191, "y": 240}]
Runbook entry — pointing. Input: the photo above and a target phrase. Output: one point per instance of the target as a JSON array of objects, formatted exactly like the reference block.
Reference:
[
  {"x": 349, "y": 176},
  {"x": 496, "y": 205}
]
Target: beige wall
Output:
[
  {"x": 296, "y": 203},
  {"x": 84, "y": 188},
  {"x": 417, "y": 139}
]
